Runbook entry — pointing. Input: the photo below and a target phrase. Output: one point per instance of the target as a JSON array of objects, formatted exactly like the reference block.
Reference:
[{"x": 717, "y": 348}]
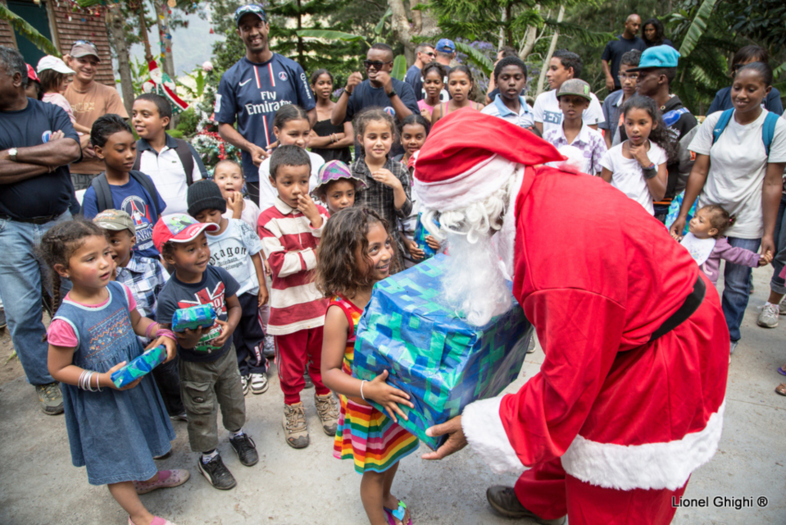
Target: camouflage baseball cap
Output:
[
  {"x": 576, "y": 87},
  {"x": 114, "y": 220}
]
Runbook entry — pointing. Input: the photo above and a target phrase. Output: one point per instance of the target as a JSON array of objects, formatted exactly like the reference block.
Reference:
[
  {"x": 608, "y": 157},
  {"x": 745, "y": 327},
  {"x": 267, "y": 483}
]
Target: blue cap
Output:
[
  {"x": 446, "y": 46},
  {"x": 254, "y": 9},
  {"x": 657, "y": 56}
]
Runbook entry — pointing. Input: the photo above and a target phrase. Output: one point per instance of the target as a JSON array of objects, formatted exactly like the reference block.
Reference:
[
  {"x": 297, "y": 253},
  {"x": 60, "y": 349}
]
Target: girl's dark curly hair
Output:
[
  {"x": 659, "y": 135},
  {"x": 60, "y": 243},
  {"x": 342, "y": 265}
]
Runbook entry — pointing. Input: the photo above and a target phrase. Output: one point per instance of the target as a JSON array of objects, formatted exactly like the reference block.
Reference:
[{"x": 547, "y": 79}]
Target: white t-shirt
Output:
[
  {"x": 547, "y": 111},
  {"x": 169, "y": 177},
  {"x": 232, "y": 251},
  {"x": 627, "y": 175},
  {"x": 268, "y": 194},
  {"x": 249, "y": 214},
  {"x": 738, "y": 164}
]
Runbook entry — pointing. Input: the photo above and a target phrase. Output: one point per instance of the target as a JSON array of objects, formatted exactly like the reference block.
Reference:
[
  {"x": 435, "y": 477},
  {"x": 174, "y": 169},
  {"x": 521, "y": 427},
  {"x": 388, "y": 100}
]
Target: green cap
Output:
[{"x": 115, "y": 220}]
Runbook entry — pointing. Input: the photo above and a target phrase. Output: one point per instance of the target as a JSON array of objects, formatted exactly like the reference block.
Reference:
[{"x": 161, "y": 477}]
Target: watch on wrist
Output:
[
  {"x": 392, "y": 93},
  {"x": 12, "y": 153},
  {"x": 650, "y": 171}
]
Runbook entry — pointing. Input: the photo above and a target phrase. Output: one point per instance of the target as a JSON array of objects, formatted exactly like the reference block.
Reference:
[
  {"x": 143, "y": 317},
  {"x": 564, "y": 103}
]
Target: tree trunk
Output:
[
  {"x": 501, "y": 39},
  {"x": 528, "y": 44},
  {"x": 552, "y": 48},
  {"x": 168, "y": 62},
  {"x": 424, "y": 25},
  {"x": 117, "y": 37}
]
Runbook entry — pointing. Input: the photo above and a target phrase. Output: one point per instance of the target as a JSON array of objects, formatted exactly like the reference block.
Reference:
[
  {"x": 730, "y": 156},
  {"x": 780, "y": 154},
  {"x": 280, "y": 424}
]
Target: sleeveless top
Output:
[
  {"x": 353, "y": 313},
  {"x": 324, "y": 128}
]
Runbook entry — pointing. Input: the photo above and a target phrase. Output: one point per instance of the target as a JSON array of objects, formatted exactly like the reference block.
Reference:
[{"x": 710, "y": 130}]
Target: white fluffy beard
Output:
[{"x": 474, "y": 284}]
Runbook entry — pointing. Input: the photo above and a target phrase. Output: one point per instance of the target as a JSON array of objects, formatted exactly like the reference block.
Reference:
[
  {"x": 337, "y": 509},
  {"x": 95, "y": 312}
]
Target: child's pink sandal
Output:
[
  {"x": 166, "y": 479},
  {"x": 156, "y": 521},
  {"x": 398, "y": 514}
]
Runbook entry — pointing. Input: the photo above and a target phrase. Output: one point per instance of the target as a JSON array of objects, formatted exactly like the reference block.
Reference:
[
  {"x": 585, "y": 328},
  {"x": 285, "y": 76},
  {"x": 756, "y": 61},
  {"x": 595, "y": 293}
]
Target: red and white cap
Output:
[
  {"x": 469, "y": 155},
  {"x": 179, "y": 227}
]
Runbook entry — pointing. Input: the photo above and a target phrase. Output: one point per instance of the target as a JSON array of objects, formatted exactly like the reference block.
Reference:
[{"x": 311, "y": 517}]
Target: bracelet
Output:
[
  {"x": 650, "y": 171},
  {"x": 149, "y": 329},
  {"x": 361, "y": 390},
  {"x": 163, "y": 332},
  {"x": 98, "y": 386}
]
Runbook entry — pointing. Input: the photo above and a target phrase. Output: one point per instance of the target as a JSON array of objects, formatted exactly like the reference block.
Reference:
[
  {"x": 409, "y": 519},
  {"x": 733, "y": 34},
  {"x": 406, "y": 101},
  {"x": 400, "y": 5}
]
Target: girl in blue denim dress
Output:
[{"x": 114, "y": 432}]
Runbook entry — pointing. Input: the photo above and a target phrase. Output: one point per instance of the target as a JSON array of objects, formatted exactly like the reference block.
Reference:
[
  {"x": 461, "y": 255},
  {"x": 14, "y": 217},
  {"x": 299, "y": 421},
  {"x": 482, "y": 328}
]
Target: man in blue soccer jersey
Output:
[{"x": 251, "y": 91}]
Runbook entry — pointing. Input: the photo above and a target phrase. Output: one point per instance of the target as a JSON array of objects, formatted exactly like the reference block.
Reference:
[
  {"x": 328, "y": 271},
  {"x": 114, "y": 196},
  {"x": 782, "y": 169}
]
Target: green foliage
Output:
[
  {"x": 399, "y": 67},
  {"x": 763, "y": 21},
  {"x": 697, "y": 27},
  {"x": 189, "y": 121},
  {"x": 476, "y": 57},
  {"x": 29, "y": 32}
]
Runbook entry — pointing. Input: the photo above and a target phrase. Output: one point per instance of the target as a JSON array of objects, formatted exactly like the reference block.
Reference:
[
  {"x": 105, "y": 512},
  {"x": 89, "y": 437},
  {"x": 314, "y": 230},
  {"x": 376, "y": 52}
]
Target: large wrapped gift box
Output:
[{"x": 431, "y": 353}]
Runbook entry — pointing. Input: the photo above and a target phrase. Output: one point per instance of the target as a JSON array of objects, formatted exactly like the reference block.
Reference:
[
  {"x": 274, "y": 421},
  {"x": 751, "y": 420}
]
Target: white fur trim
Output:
[
  {"x": 473, "y": 185},
  {"x": 483, "y": 429},
  {"x": 650, "y": 466},
  {"x": 504, "y": 241}
]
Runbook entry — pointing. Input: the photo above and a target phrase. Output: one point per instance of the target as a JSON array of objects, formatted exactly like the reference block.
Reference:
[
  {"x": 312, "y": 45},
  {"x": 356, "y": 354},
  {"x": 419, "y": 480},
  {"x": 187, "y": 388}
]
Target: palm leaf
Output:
[
  {"x": 399, "y": 67},
  {"x": 28, "y": 31},
  {"x": 328, "y": 34},
  {"x": 778, "y": 71},
  {"x": 378, "y": 28},
  {"x": 88, "y": 3},
  {"x": 481, "y": 60},
  {"x": 575, "y": 29},
  {"x": 697, "y": 27}
]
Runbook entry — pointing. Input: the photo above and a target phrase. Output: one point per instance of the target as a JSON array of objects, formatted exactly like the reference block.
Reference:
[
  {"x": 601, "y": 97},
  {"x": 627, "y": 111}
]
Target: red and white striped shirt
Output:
[{"x": 289, "y": 242}]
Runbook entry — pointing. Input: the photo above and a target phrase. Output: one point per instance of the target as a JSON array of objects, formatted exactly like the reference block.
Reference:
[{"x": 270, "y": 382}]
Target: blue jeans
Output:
[
  {"x": 777, "y": 284},
  {"x": 736, "y": 289},
  {"x": 20, "y": 288}
]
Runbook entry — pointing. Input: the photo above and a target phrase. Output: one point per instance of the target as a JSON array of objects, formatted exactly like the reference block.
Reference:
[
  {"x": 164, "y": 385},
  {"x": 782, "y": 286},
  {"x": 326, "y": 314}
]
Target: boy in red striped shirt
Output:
[{"x": 290, "y": 231}]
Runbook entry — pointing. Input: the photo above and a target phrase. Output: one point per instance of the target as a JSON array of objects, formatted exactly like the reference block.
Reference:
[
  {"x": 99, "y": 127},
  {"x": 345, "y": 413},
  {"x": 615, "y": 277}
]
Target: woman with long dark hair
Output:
[{"x": 652, "y": 33}]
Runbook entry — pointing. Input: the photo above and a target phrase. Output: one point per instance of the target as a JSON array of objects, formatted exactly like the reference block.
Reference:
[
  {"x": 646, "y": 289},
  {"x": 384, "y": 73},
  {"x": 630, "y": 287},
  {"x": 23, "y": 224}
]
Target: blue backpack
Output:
[{"x": 767, "y": 130}]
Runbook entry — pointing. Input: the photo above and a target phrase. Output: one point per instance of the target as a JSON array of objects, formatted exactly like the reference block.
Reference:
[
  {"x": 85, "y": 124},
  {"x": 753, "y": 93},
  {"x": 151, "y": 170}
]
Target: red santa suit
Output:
[{"x": 614, "y": 423}]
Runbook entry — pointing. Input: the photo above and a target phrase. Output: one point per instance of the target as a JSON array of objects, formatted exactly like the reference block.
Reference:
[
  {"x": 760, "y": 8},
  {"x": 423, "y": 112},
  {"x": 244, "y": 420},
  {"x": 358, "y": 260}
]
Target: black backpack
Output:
[
  {"x": 104, "y": 199},
  {"x": 186, "y": 159}
]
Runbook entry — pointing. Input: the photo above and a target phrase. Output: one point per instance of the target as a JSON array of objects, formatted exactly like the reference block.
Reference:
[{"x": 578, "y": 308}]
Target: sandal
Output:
[
  {"x": 156, "y": 521},
  {"x": 166, "y": 479},
  {"x": 781, "y": 389},
  {"x": 399, "y": 513},
  {"x": 781, "y": 371}
]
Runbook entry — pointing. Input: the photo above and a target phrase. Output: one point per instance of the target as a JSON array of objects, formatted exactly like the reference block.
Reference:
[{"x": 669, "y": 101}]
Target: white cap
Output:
[{"x": 51, "y": 62}]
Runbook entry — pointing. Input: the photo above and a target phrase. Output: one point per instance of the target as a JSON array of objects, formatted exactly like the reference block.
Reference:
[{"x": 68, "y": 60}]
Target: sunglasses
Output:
[
  {"x": 81, "y": 42},
  {"x": 377, "y": 64},
  {"x": 432, "y": 55}
]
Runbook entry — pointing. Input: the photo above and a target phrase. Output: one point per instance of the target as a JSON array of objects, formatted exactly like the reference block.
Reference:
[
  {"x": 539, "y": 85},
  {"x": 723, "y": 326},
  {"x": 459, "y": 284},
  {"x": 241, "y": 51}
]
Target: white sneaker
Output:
[
  {"x": 732, "y": 347},
  {"x": 269, "y": 348},
  {"x": 782, "y": 307},
  {"x": 258, "y": 383},
  {"x": 244, "y": 382},
  {"x": 768, "y": 317}
]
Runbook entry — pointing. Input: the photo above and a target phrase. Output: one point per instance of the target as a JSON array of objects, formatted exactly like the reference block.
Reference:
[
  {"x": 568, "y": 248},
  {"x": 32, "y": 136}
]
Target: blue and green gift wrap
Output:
[{"x": 431, "y": 353}]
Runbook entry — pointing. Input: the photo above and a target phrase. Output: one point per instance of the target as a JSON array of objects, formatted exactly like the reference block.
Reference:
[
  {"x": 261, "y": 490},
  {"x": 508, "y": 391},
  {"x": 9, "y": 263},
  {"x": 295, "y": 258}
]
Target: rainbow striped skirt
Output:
[{"x": 370, "y": 438}]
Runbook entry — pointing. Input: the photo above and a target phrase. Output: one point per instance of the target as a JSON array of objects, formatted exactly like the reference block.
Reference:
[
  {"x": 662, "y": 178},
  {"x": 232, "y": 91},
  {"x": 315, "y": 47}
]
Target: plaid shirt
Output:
[
  {"x": 145, "y": 277},
  {"x": 589, "y": 141},
  {"x": 379, "y": 197}
]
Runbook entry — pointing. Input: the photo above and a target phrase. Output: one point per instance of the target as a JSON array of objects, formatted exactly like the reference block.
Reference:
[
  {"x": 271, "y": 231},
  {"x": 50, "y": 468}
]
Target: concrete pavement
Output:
[{"x": 38, "y": 484}]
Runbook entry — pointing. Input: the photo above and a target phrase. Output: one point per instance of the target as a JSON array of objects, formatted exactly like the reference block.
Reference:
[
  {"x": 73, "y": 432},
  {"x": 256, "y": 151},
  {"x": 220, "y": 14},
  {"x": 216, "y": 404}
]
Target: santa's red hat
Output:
[{"x": 469, "y": 155}]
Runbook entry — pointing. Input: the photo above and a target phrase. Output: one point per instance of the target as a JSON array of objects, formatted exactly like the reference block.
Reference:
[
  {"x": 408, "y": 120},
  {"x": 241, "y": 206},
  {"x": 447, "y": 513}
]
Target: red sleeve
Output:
[{"x": 580, "y": 333}]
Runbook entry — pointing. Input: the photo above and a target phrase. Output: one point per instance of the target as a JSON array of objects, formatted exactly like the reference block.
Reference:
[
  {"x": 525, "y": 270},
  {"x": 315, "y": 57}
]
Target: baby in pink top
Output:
[
  {"x": 707, "y": 246},
  {"x": 55, "y": 77}
]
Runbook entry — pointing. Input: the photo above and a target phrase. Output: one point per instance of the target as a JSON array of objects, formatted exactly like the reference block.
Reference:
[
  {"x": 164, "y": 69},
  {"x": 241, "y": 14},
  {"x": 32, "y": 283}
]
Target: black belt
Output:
[
  {"x": 691, "y": 304},
  {"x": 35, "y": 220}
]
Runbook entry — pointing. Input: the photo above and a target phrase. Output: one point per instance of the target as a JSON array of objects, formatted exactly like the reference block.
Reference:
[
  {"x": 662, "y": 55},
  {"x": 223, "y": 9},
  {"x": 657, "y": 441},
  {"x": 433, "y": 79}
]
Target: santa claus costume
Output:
[{"x": 630, "y": 397}]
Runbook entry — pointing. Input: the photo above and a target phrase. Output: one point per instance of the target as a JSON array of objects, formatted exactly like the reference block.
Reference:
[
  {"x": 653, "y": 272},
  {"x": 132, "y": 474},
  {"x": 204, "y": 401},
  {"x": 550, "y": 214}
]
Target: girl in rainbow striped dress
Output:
[{"x": 356, "y": 251}]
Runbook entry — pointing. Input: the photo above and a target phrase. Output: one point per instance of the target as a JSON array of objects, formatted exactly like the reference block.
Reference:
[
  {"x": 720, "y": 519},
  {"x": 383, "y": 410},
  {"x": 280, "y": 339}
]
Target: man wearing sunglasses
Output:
[
  {"x": 379, "y": 89},
  {"x": 251, "y": 91},
  {"x": 89, "y": 100},
  {"x": 425, "y": 54}
]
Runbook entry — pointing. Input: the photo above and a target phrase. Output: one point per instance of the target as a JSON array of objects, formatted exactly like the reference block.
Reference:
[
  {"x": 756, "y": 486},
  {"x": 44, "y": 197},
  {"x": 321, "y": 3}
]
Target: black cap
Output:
[{"x": 205, "y": 195}]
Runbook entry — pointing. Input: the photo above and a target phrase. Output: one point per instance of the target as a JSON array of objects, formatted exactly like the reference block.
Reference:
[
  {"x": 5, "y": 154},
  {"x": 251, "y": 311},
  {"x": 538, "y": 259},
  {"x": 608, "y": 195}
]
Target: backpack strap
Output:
[
  {"x": 186, "y": 159},
  {"x": 103, "y": 193},
  {"x": 768, "y": 130},
  {"x": 150, "y": 188},
  {"x": 723, "y": 121},
  {"x": 138, "y": 158}
]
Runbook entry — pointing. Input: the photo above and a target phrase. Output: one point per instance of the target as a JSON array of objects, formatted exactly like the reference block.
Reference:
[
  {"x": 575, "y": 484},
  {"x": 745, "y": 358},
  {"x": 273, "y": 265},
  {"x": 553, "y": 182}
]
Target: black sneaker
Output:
[
  {"x": 246, "y": 449},
  {"x": 216, "y": 473}
]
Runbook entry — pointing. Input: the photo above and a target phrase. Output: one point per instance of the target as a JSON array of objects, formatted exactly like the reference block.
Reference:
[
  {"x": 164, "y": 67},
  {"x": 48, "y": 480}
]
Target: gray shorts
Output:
[
  {"x": 82, "y": 181},
  {"x": 206, "y": 386}
]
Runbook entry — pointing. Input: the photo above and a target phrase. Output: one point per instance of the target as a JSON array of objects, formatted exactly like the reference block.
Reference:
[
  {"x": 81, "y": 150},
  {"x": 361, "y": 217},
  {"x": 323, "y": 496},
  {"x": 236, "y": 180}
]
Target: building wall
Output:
[{"x": 67, "y": 31}]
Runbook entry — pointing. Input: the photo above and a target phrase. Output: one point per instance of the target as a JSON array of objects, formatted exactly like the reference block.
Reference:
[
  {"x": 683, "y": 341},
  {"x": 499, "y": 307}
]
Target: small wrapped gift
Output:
[
  {"x": 201, "y": 315},
  {"x": 140, "y": 366},
  {"x": 431, "y": 353}
]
